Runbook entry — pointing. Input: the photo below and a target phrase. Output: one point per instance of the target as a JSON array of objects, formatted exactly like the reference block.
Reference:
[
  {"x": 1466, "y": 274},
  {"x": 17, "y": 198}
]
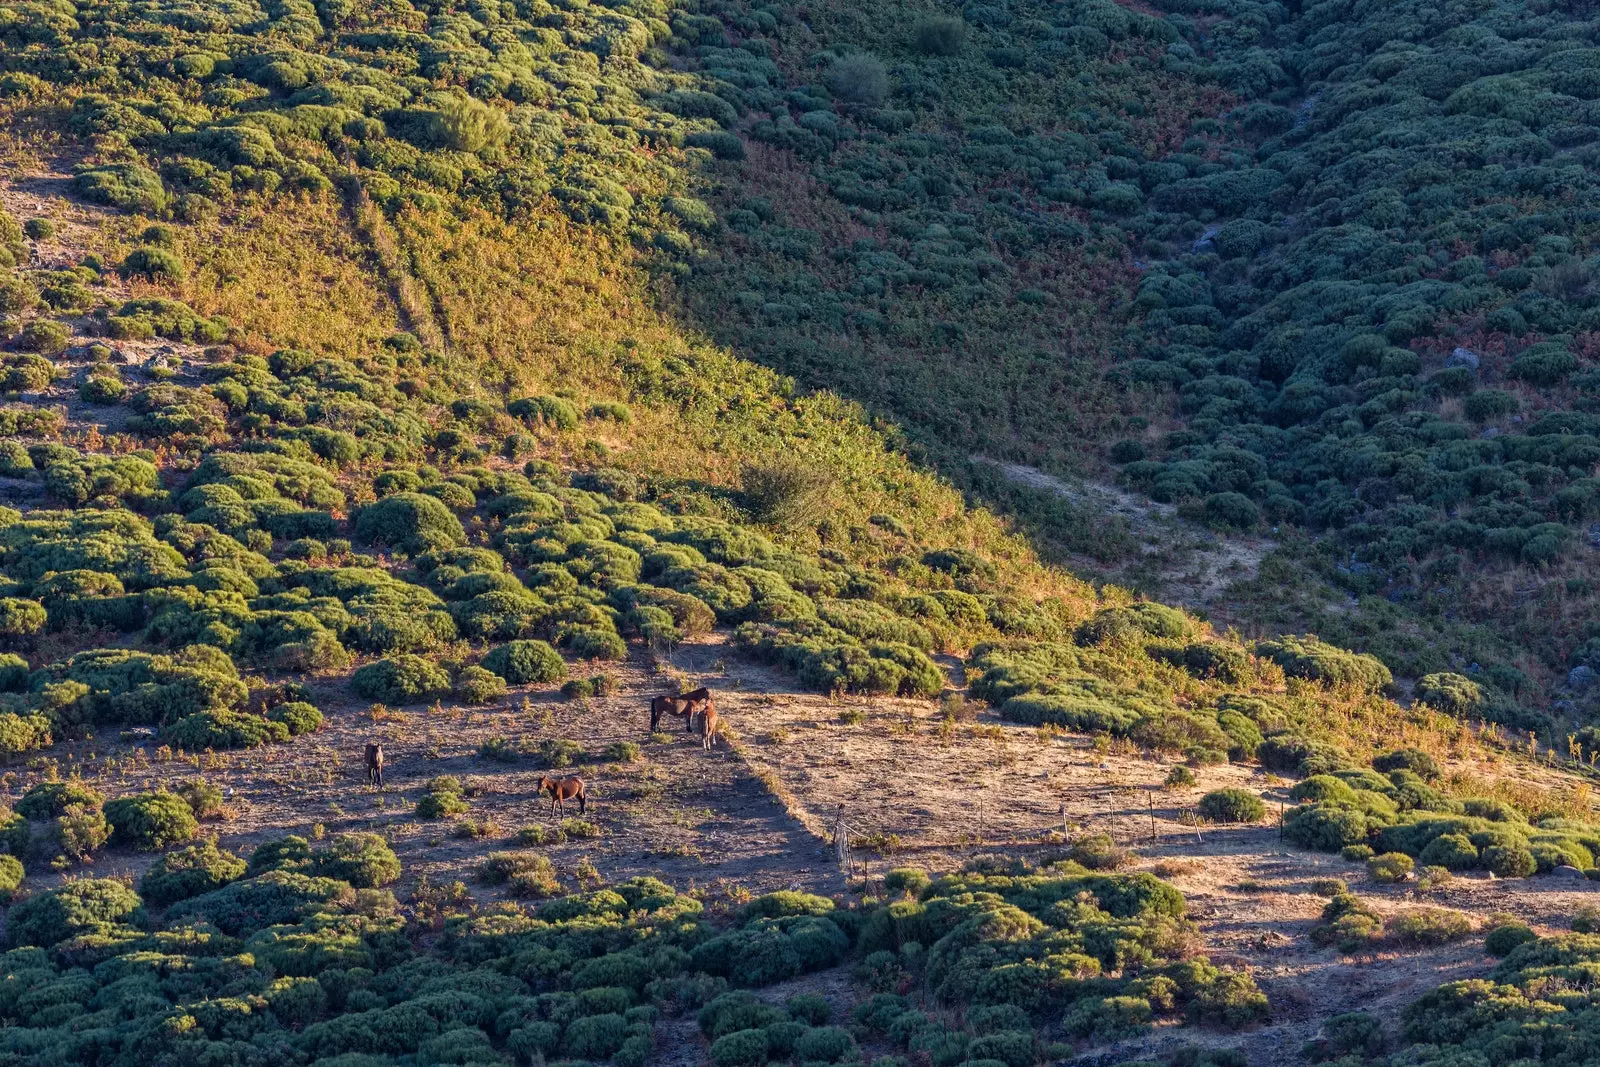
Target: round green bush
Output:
[
  {"x": 364, "y": 860},
  {"x": 50, "y": 799},
  {"x": 441, "y": 799},
  {"x": 1232, "y": 805},
  {"x": 102, "y": 389},
  {"x": 157, "y": 264},
  {"x": 825, "y": 1044},
  {"x": 220, "y": 728},
  {"x": 1500, "y": 941},
  {"x": 11, "y": 875},
  {"x": 526, "y": 663},
  {"x": 1453, "y": 852},
  {"x": 591, "y": 642},
  {"x": 550, "y": 411},
  {"x": 21, "y": 618},
  {"x": 474, "y": 685},
  {"x": 77, "y": 907},
  {"x": 39, "y": 229},
  {"x": 1509, "y": 861},
  {"x": 400, "y": 679},
  {"x": 1390, "y": 867},
  {"x": 44, "y": 336},
  {"x": 1408, "y": 759},
  {"x": 595, "y": 1037},
  {"x": 410, "y": 522},
  {"x": 188, "y": 872},
  {"x": 298, "y": 716},
  {"x": 1356, "y": 853},
  {"x": 939, "y": 35},
  {"x": 151, "y": 821},
  {"x": 859, "y": 79},
  {"x": 1231, "y": 511},
  {"x": 742, "y": 1048},
  {"x": 911, "y": 880}
]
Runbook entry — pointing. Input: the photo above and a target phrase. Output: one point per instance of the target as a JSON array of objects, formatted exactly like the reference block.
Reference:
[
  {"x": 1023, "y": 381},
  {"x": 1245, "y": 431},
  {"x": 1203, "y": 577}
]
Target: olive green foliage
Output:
[
  {"x": 364, "y": 860},
  {"x": 400, "y": 679},
  {"x": 1231, "y": 805},
  {"x": 150, "y": 822},
  {"x": 443, "y": 797},
  {"x": 526, "y": 663},
  {"x": 189, "y": 872}
]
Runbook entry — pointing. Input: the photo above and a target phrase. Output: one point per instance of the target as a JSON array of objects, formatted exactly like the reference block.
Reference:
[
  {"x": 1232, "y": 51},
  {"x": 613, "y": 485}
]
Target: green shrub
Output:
[
  {"x": 203, "y": 798},
  {"x": 410, "y": 522},
  {"x": 560, "y": 752},
  {"x": 742, "y": 1048},
  {"x": 940, "y": 36},
  {"x": 297, "y": 716},
  {"x": 39, "y": 229},
  {"x": 1390, "y": 867},
  {"x": 49, "y": 799},
  {"x": 151, "y": 821},
  {"x": 364, "y": 860},
  {"x": 441, "y": 799},
  {"x": 859, "y": 79},
  {"x": 11, "y": 875},
  {"x": 474, "y": 685},
  {"x": 1453, "y": 852},
  {"x": 76, "y": 908},
  {"x": 189, "y": 872},
  {"x": 622, "y": 752},
  {"x": 551, "y": 411},
  {"x": 157, "y": 264},
  {"x": 595, "y": 1036},
  {"x": 526, "y": 663},
  {"x": 825, "y": 1044},
  {"x": 220, "y": 728},
  {"x": 1408, "y": 759},
  {"x": 1356, "y": 853},
  {"x": 1504, "y": 939},
  {"x": 400, "y": 679},
  {"x": 1508, "y": 861},
  {"x": 1429, "y": 926},
  {"x": 44, "y": 336},
  {"x": 911, "y": 880},
  {"x": 1232, "y": 805}
]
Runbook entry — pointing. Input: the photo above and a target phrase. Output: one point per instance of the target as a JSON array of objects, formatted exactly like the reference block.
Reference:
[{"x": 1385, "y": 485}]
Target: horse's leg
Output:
[{"x": 583, "y": 804}]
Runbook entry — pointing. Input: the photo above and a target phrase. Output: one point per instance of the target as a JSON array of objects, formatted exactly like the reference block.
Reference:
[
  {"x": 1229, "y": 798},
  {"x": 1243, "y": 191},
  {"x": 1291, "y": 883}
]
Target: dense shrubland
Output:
[{"x": 301, "y": 955}]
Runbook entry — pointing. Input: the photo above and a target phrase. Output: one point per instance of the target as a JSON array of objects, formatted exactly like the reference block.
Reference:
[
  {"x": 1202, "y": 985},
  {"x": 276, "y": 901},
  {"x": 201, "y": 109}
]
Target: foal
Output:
[
  {"x": 708, "y": 726},
  {"x": 562, "y": 790}
]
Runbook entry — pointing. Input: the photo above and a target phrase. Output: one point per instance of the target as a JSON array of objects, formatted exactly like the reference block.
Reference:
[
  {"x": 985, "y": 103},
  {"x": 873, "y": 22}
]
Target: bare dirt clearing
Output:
[{"x": 1181, "y": 561}]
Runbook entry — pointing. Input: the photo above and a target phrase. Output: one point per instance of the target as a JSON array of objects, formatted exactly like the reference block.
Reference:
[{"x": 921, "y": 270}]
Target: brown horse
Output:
[
  {"x": 562, "y": 790},
  {"x": 683, "y": 705},
  {"x": 708, "y": 725},
  {"x": 375, "y": 764}
]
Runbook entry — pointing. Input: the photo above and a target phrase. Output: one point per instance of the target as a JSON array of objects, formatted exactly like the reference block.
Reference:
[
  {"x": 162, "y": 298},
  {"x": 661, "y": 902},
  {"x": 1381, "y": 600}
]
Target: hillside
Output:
[{"x": 461, "y": 378}]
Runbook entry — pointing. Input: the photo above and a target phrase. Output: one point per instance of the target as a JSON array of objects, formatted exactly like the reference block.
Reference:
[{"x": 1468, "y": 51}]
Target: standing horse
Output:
[
  {"x": 375, "y": 764},
  {"x": 562, "y": 790},
  {"x": 708, "y": 725},
  {"x": 683, "y": 706}
]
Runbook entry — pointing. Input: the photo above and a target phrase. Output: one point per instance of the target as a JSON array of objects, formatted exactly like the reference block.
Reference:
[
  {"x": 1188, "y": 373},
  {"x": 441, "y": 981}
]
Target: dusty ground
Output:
[{"x": 1180, "y": 561}]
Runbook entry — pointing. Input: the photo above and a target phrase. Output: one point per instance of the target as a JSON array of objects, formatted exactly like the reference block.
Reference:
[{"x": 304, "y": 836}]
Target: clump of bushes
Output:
[
  {"x": 189, "y": 872},
  {"x": 443, "y": 797},
  {"x": 526, "y": 663},
  {"x": 400, "y": 679},
  {"x": 150, "y": 822},
  {"x": 1231, "y": 805}
]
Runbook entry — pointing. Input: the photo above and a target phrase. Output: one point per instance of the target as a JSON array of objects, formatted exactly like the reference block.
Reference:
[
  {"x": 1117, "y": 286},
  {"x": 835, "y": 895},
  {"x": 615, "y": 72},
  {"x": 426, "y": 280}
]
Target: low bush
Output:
[
  {"x": 189, "y": 872},
  {"x": 1506, "y": 938},
  {"x": 1429, "y": 926},
  {"x": 151, "y": 821},
  {"x": 297, "y": 716},
  {"x": 365, "y": 860},
  {"x": 1390, "y": 867},
  {"x": 526, "y": 663},
  {"x": 400, "y": 679},
  {"x": 441, "y": 799},
  {"x": 474, "y": 685},
  {"x": 1231, "y": 805}
]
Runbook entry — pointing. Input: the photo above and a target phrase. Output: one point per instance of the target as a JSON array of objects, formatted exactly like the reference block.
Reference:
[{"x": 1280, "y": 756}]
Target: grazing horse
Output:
[
  {"x": 708, "y": 725},
  {"x": 562, "y": 790},
  {"x": 683, "y": 705},
  {"x": 375, "y": 764}
]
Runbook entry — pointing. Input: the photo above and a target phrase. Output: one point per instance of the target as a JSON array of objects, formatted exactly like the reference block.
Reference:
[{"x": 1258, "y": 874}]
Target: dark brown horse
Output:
[
  {"x": 683, "y": 706},
  {"x": 562, "y": 790},
  {"x": 375, "y": 764},
  {"x": 707, "y": 721}
]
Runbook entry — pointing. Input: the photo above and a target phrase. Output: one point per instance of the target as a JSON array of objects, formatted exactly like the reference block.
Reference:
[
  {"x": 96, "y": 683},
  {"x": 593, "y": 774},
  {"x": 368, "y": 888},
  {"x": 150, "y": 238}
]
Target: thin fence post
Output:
[{"x": 1150, "y": 799}]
